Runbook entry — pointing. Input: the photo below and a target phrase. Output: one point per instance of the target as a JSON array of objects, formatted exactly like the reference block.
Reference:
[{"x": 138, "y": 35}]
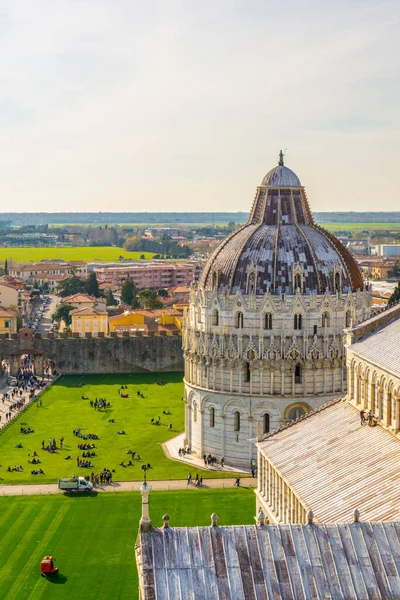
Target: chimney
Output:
[{"x": 145, "y": 522}]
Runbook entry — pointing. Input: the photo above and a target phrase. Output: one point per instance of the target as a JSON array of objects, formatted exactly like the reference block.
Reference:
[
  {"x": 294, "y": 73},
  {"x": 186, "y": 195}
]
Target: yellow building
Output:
[
  {"x": 164, "y": 319},
  {"x": 8, "y": 322},
  {"x": 89, "y": 320}
]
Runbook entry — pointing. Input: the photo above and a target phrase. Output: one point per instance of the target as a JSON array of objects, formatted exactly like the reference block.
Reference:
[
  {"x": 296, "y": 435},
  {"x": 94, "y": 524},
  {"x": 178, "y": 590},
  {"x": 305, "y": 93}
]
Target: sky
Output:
[{"x": 181, "y": 105}]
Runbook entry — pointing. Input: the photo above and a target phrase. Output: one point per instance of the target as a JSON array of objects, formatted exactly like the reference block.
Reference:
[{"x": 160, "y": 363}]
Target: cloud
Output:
[{"x": 182, "y": 105}]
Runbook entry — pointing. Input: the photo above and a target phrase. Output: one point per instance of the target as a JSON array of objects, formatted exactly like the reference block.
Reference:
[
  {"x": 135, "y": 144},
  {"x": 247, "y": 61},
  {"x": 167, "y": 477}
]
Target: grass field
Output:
[
  {"x": 63, "y": 411},
  {"x": 93, "y": 538},
  {"x": 361, "y": 226},
  {"x": 88, "y": 253}
]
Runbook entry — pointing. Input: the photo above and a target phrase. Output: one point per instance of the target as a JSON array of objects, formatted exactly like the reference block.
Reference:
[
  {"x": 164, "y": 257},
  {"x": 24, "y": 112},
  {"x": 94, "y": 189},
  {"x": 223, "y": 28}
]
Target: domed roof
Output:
[
  {"x": 281, "y": 176},
  {"x": 280, "y": 248}
]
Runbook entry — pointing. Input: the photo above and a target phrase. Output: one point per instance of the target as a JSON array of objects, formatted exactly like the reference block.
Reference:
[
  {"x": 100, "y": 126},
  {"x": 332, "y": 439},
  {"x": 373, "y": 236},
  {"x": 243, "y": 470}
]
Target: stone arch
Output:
[
  {"x": 208, "y": 402},
  {"x": 192, "y": 398},
  {"x": 302, "y": 409},
  {"x": 236, "y": 404}
]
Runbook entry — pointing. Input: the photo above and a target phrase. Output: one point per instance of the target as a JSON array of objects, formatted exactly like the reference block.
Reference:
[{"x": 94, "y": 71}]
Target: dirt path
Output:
[{"x": 125, "y": 486}]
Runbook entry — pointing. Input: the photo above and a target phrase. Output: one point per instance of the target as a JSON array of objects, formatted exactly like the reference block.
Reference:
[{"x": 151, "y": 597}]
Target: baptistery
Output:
[{"x": 262, "y": 338}]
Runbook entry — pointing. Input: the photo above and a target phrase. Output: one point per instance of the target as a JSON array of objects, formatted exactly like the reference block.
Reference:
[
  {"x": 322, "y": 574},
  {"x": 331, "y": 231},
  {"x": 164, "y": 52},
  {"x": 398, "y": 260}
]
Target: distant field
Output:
[
  {"x": 93, "y": 538},
  {"x": 173, "y": 225},
  {"x": 100, "y": 253},
  {"x": 360, "y": 226}
]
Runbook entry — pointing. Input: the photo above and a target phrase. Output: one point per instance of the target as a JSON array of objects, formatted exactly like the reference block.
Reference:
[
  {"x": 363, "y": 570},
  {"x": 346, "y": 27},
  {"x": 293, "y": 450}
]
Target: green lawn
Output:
[
  {"x": 100, "y": 253},
  {"x": 93, "y": 538},
  {"x": 63, "y": 411}
]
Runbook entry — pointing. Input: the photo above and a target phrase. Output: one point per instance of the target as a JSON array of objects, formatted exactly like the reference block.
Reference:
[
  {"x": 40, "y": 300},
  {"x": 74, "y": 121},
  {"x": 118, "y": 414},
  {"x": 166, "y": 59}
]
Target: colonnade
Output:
[
  {"x": 374, "y": 390},
  {"x": 276, "y": 495}
]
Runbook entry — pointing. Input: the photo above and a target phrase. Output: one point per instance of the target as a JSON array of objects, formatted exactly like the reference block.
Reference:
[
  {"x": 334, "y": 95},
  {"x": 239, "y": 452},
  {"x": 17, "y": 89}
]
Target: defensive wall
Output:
[{"x": 114, "y": 354}]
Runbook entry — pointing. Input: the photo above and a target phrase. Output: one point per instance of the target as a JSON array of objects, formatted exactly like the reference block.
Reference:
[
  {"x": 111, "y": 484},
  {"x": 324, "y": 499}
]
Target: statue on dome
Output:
[{"x": 281, "y": 155}]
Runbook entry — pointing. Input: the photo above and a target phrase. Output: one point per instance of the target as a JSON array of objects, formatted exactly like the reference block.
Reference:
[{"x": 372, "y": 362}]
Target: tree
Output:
[
  {"x": 395, "y": 272},
  {"x": 71, "y": 285},
  {"x": 150, "y": 299},
  {"x": 142, "y": 257},
  {"x": 395, "y": 297},
  {"x": 6, "y": 267},
  {"x": 92, "y": 286},
  {"x": 62, "y": 313},
  {"x": 110, "y": 300},
  {"x": 162, "y": 292},
  {"x": 128, "y": 293}
]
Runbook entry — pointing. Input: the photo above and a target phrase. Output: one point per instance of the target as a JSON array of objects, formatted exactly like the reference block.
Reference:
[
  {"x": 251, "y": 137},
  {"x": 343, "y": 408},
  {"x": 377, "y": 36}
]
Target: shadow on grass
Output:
[
  {"x": 78, "y": 494},
  {"x": 74, "y": 381},
  {"x": 58, "y": 578}
]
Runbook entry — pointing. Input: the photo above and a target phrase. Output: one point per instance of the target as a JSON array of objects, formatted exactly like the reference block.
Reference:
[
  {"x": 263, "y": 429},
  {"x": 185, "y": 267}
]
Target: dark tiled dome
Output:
[{"x": 279, "y": 240}]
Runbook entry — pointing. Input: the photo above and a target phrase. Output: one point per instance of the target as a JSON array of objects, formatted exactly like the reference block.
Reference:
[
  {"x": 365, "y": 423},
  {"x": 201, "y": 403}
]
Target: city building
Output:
[
  {"x": 150, "y": 275},
  {"x": 8, "y": 322},
  {"x": 386, "y": 250},
  {"x": 89, "y": 321},
  {"x": 262, "y": 338},
  {"x": 10, "y": 295},
  {"x": 43, "y": 270},
  {"x": 81, "y": 300},
  {"x": 144, "y": 321}
]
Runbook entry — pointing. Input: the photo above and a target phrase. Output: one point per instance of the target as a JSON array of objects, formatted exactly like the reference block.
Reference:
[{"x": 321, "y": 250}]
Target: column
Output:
[
  {"x": 373, "y": 396},
  {"x": 282, "y": 381},
  {"x": 223, "y": 421},
  {"x": 388, "y": 409},
  {"x": 201, "y": 415},
  {"x": 272, "y": 382}
]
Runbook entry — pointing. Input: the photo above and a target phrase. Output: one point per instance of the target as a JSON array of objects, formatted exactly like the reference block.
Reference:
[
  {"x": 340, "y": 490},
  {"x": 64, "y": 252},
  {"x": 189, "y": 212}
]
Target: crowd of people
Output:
[{"x": 368, "y": 417}]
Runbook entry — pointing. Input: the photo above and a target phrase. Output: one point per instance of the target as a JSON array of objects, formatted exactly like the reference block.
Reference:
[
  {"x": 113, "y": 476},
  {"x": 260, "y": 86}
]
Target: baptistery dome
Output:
[
  {"x": 279, "y": 241},
  {"x": 263, "y": 335}
]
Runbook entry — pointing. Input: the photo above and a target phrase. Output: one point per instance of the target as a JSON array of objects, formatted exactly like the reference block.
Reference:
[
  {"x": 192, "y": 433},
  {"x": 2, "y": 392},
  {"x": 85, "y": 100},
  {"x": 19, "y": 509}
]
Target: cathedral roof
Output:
[
  {"x": 344, "y": 561},
  {"x": 334, "y": 465},
  {"x": 279, "y": 240}
]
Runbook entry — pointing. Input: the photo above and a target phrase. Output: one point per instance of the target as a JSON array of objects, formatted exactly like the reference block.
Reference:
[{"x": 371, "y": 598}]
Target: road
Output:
[
  {"x": 46, "y": 321},
  {"x": 127, "y": 486}
]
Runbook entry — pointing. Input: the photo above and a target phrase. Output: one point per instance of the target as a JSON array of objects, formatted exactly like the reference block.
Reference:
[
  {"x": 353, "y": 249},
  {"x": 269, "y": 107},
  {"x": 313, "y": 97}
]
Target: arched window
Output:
[
  {"x": 266, "y": 423},
  {"x": 239, "y": 320},
  {"x": 236, "y": 420},
  {"x": 214, "y": 281},
  {"x": 297, "y": 282},
  {"x": 251, "y": 283},
  {"x": 248, "y": 372},
  {"x": 297, "y": 321},
  {"x": 212, "y": 417},
  {"x": 337, "y": 282},
  {"x": 268, "y": 321},
  {"x": 195, "y": 413},
  {"x": 296, "y": 413},
  {"x": 326, "y": 319},
  {"x": 297, "y": 373},
  {"x": 348, "y": 318},
  {"x": 215, "y": 317}
]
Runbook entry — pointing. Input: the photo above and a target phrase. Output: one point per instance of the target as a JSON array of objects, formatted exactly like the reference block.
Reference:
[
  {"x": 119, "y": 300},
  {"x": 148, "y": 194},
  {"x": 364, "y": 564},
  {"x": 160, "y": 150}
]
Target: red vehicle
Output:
[{"x": 47, "y": 566}]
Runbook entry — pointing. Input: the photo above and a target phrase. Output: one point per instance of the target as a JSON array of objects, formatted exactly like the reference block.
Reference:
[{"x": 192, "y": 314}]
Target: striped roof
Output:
[
  {"x": 381, "y": 347},
  {"x": 334, "y": 465},
  {"x": 281, "y": 562}
]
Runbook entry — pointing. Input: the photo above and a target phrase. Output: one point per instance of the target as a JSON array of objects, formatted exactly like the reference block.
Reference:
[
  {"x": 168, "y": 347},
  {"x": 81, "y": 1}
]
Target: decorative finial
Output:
[
  {"x": 261, "y": 517},
  {"x": 166, "y": 521},
  {"x": 310, "y": 517},
  {"x": 214, "y": 520},
  {"x": 356, "y": 515},
  {"x": 281, "y": 155}
]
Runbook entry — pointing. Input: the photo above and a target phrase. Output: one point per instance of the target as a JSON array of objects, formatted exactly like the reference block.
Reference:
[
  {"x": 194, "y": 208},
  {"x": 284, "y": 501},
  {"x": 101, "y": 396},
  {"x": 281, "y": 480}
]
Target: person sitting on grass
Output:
[
  {"x": 69, "y": 457},
  {"x": 121, "y": 432},
  {"x": 130, "y": 464}
]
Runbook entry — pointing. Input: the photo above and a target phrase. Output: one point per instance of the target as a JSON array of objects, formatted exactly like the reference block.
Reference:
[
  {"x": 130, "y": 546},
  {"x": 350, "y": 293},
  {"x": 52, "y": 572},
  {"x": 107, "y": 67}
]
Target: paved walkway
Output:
[
  {"x": 171, "y": 450},
  {"x": 126, "y": 486}
]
